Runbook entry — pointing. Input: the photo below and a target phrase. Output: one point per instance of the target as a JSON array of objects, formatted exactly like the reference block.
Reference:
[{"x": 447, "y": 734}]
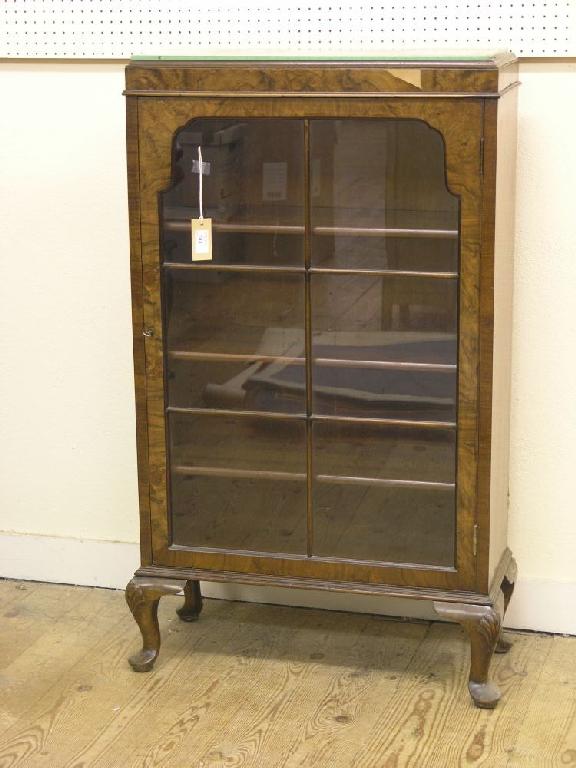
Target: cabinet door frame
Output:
[{"x": 460, "y": 123}]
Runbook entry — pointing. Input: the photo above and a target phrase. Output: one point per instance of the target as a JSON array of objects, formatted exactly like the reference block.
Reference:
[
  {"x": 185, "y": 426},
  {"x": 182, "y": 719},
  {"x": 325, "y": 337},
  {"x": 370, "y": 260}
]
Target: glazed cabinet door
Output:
[{"x": 312, "y": 388}]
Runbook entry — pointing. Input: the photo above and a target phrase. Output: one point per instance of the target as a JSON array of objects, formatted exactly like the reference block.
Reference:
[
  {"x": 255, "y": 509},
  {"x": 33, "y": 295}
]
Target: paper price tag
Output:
[{"x": 201, "y": 239}]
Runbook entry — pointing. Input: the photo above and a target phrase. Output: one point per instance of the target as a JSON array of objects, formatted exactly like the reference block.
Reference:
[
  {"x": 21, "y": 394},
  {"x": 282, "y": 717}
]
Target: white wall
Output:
[{"x": 67, "y": 462}]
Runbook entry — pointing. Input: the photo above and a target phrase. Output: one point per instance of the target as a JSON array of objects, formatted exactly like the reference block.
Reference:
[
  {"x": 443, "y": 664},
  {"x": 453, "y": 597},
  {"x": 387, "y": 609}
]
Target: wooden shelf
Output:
[
  {"x": 379, "y": 481},
  {"x": 383, "y": 273},
  {"x": 222, "y": 357},
  {"x": 239, "y": 227},
  {"x": 256, "y": 228},
  {"x": 324, "y": 222},
  {"x": 247, "y": 474},
  {"x": 442, "y": 234},
  {"x": 409, "y": 423},
  {"x": 265, "y": 474},
  {"x": 211, "y": 266},
  {"x": 385, "y": 365},
  {"x": 235, "y": 412}
]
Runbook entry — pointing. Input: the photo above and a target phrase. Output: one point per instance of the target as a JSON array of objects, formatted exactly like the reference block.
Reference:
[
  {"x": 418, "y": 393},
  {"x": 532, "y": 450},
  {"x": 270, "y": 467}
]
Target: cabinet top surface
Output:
[
  {"x": 418, "y": 58},
  {"x": 407, "y": 73}
]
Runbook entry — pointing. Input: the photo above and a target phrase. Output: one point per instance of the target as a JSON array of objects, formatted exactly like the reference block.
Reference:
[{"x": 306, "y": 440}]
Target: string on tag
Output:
[
  {"x": 200, "y": 174},
  {"x": 201, "y": 227}
]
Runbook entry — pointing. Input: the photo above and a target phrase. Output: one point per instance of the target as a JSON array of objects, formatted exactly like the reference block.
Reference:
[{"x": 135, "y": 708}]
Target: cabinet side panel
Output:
[
  {"x": 137, "y": 325},
  {"x": 496, "y": 287},
  {"x": 503, "y": 294}
]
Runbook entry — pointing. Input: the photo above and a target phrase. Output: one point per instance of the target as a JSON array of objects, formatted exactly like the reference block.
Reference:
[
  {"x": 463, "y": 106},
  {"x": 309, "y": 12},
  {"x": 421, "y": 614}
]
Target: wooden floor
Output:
[{"x": 266, "y": 686}]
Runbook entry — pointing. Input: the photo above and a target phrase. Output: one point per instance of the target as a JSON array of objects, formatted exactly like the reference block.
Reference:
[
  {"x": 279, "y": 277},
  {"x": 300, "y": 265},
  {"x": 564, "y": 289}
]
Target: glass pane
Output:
[
  {"x": 235, "y": 340},
  {"x": 238, "y": 482},
  {"x": 379, "y": 198},
  {"x": 239, "y": 513},
  {"x": 384, "y": 452},
  {"x": 253, "y": 189},
  {"x": 383, "y": 493},
  {"x": 384, "y": 346},
  {"x": 384, "y": 523},
  {"x": 253, "y": 385},
  {"x": 236, "y": 313}
]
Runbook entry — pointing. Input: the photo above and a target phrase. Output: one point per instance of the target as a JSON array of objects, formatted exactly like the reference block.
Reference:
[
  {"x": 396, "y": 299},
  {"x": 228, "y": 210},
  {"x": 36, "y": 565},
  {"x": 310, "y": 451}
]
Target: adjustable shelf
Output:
[
  {"x": 329, "y": 223},
  {"x": 335, "y": 231},
  {"x": 214, "y": 267},
  {"x": 181, "y": 354},
  {"x": 263, "y": 474}
]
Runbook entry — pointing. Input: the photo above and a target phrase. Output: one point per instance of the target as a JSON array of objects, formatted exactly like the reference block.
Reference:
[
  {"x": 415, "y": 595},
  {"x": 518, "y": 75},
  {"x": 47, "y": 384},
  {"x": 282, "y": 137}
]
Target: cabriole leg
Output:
[
  {"x": 482, "y": 625},
  {"x": 143, "y": 596},
  {"x": 192, "y": 607}
]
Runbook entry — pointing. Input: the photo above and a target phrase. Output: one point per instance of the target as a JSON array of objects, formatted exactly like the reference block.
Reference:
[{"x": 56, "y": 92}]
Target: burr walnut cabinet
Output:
[{"x": 322, "y": 391}]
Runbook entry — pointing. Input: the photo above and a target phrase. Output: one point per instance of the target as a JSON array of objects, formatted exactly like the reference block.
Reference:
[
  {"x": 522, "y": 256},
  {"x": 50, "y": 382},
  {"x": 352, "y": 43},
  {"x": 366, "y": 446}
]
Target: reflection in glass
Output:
[
  {"x": 240, "y": 443},
  {"x": 384, "y": 346},
  {"x": 231, "y": 312},
  {"x": 381, "y": 329},
  {"x": 379, "y": 522},
  {"x": 383, "y": 452},
  {"x": 228, "y": 334},
  {"x": 253, "y": 188},
  {"x": 240, "y": 385},
  {"x": 254, "y": 515},
  {"x": 379, "y": 198},
  {"x": 238, "y": 482}
]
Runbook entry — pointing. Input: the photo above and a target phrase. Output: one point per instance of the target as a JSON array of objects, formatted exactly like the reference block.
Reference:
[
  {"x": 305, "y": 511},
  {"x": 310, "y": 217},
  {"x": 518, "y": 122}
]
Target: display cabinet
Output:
[{"x": 322, "y": 391}]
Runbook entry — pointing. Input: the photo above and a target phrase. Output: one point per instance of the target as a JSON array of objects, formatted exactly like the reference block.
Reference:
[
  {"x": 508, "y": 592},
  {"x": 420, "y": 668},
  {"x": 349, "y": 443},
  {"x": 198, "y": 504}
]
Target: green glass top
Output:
[{"x": 384, "y": 56}]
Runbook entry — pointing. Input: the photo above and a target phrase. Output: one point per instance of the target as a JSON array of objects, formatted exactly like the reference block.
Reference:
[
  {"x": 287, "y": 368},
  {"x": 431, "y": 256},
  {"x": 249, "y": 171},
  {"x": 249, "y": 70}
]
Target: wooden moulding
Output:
[{"x": 384, "y": 590}]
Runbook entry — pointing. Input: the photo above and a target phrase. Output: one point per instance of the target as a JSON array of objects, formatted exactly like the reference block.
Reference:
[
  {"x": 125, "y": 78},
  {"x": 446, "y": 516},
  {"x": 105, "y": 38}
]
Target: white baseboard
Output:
[{"x": 538, "y": 604}]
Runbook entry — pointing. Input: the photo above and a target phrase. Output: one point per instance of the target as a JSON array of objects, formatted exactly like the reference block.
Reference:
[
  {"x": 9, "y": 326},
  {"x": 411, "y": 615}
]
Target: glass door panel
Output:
[
  {"x": 379, "y": 522},
  {"x": 235, "y": 340},
  {"x": 384, "y": 346},
  {"x": 384, "y": 493},
  {"x": 238, "y": 482},
  {"x": 384, "y": 267},
  {"x": 356, "y": 298},
  {"x": 379, "y": 198},
  {"x": 234, "y": 337},
  {"x": 253, "y": 184},
  {"x": 373, "y": 450}
]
